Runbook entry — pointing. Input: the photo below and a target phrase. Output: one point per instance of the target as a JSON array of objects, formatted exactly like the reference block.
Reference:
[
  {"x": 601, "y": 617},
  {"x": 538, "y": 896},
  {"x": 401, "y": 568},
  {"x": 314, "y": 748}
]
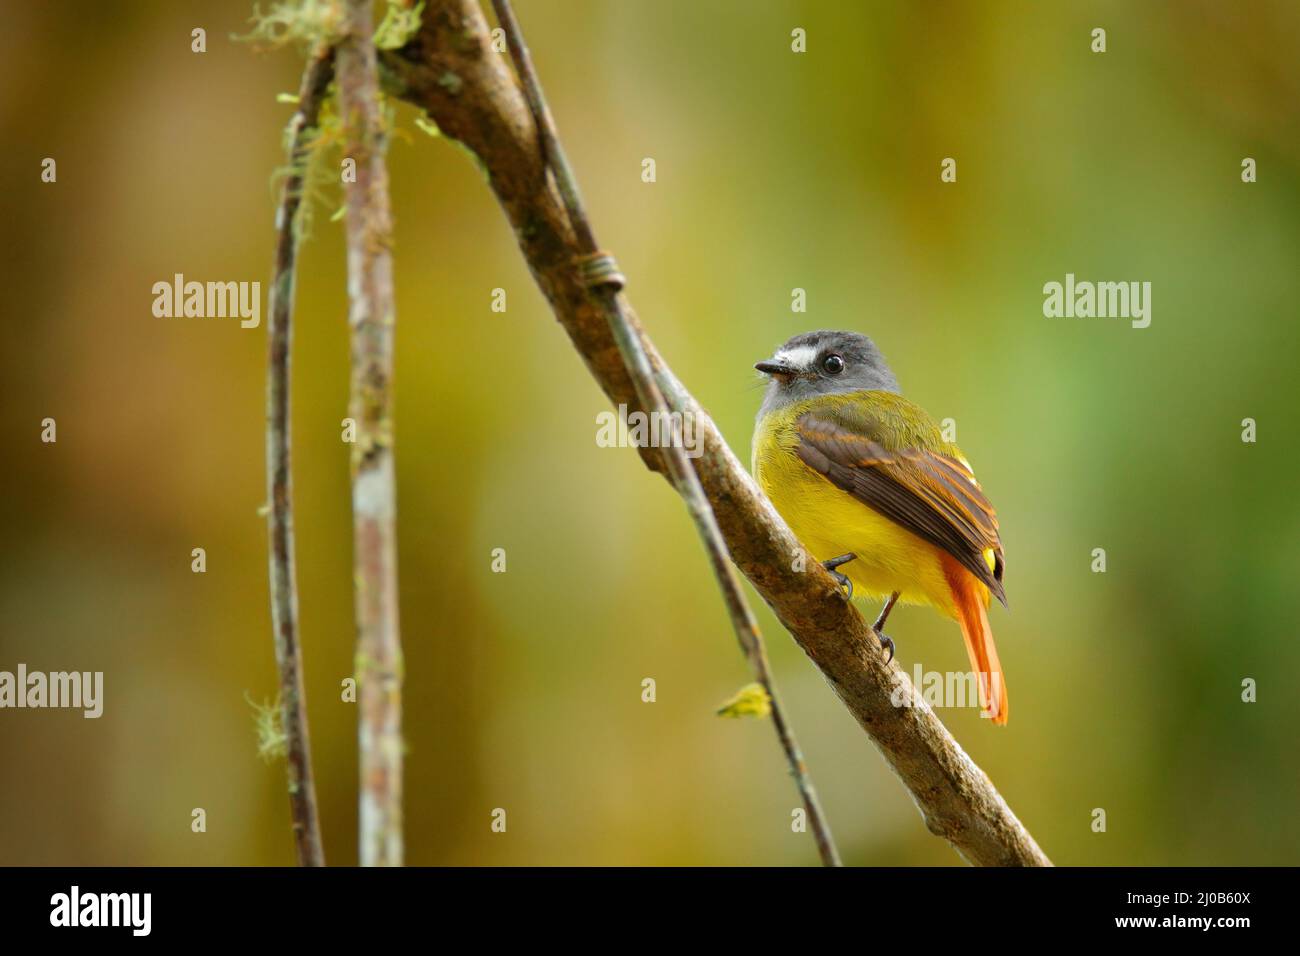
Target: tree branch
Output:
[
  {"x": 284, "y": 589},
  {"x": 602, "y": 277},
  {"x": 371, "y": 317},
  {"x": 450, "y": 71}
]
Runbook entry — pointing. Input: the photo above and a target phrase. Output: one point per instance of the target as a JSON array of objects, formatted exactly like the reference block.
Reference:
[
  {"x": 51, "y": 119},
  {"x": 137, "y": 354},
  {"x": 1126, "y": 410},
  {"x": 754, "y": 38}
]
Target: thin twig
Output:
[
  {"x": 374, "y": 497},
  {"x": 450, "y": 70},
  {"x": 284, "y": 588},
  {"x": 603, "y": 279}
]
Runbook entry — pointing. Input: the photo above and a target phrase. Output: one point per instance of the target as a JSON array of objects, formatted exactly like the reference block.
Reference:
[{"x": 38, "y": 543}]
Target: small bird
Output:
[{"x": 867, "y": 482}]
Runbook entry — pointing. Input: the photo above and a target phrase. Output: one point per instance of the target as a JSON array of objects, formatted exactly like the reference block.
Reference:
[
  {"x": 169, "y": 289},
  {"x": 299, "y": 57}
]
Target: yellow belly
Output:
[{"x": 830, "y": 522}]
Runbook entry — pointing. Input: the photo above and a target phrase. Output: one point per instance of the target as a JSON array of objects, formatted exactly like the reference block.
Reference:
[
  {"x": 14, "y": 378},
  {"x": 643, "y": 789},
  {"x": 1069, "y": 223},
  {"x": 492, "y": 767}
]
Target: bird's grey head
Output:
[{"x": 823, "y": 363}]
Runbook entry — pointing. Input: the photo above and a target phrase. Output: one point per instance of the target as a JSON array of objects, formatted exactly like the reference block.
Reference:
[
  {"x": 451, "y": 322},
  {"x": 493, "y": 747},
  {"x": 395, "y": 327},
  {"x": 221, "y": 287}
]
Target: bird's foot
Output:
[
  {"x": 840, "y": 577},
  {"x": 886, "y": 642},
  {"x": 879, "y": 627}
]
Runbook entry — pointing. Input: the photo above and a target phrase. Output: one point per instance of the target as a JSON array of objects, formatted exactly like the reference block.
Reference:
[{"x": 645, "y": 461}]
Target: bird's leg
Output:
[
  {"x": 879, "y": 626},
  {"x": 840, "y": 577}
]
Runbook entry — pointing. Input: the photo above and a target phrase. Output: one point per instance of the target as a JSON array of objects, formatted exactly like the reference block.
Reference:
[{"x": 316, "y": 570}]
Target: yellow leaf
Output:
[{"x": 750, "y": 701}]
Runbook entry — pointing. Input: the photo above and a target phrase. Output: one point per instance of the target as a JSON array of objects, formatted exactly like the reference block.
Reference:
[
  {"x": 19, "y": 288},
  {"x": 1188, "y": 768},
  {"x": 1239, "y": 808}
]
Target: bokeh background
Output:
[{"x": 775, "y": 171}]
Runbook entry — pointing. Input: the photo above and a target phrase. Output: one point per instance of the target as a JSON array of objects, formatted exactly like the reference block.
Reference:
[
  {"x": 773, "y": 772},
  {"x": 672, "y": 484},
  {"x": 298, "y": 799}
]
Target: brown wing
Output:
[{"x": 931, "y": 494}]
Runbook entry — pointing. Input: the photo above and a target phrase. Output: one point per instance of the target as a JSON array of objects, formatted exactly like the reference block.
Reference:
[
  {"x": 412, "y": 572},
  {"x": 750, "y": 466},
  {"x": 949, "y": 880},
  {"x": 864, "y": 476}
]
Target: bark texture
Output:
[
  {"x": 372, "y": 316},
  {"x": 284, "y": 589}
]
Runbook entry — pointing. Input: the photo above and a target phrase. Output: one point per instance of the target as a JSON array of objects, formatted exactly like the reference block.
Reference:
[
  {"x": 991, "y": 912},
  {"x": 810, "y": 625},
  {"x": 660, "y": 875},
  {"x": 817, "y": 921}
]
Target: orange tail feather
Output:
[{"x": 970, "y": 600}]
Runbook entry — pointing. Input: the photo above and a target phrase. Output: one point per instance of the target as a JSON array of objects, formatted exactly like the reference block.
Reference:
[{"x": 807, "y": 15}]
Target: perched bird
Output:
[{"x": 866, "y": 481}]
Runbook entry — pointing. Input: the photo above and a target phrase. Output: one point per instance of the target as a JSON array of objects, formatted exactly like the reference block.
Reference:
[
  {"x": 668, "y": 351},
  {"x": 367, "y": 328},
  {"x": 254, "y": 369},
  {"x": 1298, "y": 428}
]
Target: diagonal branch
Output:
[
  {"x": 603, "y": 278},
  {"x": 284, "y": 589},
  {"x": 450, "y": 70},
  {"x": 374, "y": 498}
]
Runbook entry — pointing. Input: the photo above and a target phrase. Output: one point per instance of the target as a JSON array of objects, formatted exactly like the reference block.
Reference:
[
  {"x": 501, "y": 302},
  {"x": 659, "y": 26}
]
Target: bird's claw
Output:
[
  {"x": 886, "y": 643},
  {"x": 840, "y": 577},
  {"x": 843, "y": 581}
]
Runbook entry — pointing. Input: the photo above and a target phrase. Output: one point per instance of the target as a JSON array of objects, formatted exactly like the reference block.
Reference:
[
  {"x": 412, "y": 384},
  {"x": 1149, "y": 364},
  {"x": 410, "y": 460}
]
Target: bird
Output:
[{"x": 867, "y": 482}]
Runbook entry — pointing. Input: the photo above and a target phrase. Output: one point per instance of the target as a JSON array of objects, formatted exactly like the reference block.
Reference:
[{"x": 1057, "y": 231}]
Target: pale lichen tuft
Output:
[{"x": 272, "y": 742}]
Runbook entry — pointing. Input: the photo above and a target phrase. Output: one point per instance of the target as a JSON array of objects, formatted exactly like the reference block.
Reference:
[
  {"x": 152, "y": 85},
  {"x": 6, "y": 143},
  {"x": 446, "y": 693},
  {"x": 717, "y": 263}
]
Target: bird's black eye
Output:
[{"x": 833, "y": 364}]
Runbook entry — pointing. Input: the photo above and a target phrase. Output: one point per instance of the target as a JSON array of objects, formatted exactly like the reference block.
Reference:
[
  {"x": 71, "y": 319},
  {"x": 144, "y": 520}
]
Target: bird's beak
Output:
[{"x": 780, "y": 369}]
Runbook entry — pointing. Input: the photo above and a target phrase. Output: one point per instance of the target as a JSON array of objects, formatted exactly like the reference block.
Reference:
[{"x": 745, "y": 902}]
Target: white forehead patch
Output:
[{"x": 801, "y": 357}]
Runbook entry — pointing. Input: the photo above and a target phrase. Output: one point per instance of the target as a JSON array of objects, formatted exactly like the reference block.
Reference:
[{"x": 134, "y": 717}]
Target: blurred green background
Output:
[{"x": 775, "y": 171}]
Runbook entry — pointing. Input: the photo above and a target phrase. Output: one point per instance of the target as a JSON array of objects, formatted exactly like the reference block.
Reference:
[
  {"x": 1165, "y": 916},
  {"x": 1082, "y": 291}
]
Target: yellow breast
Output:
[{"x": 831, "y": 522}]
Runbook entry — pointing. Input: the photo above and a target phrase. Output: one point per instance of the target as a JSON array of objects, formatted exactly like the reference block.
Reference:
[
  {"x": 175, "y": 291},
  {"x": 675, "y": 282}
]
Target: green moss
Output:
[
  {"x": 316, "y": 163},
  {"x": 399, "y": 24},
  {"x": 307, "y": 23}
]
